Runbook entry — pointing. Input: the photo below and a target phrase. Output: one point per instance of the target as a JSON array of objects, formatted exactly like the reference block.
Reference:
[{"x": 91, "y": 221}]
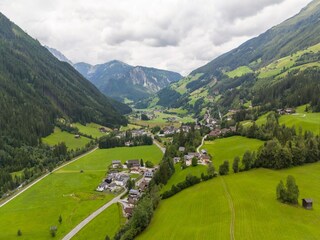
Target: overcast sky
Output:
[{"x": 178, "y": 35}]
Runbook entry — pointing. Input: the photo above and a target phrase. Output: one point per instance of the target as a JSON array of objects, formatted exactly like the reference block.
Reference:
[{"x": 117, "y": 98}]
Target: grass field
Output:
[
  {"x": 228, "y": 148},
  {"x": 90, "y": 129},
  {"x": 107, "y": 223},
  {"x": 239, "y": 72},
  {"x": 180, "y": 175},
  {"x": 62, "y": 136},
  {"x": 67, "y": 192},
  {"x": 129, "y": 127},
  {"x": 202, "y": 211},
  {"x": 306, "y": 120}
]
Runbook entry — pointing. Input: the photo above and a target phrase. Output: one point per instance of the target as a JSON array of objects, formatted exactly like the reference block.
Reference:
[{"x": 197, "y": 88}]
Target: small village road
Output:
[
  {"x": 41, "y": 178},
  {"x": 202, "y": 141},
  {"x": 81, "y": 225}
]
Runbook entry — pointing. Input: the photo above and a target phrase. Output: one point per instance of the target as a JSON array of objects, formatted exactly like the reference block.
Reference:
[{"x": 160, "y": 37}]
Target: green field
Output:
[
  {"x": 90, "y": 129},
  {"x": 107, "y": 223},
  {"x": 130, "y": 127},
  {"x": 203, "y": 211},
  {"x": 228, "y": 148},
  {"x": 62, "y": 136},
  {"x": 180, "y": 175},
  {"x": 67, "y": 192},
  {"x": 240, "y": 71},
  {"x": 306, "y": 120}
]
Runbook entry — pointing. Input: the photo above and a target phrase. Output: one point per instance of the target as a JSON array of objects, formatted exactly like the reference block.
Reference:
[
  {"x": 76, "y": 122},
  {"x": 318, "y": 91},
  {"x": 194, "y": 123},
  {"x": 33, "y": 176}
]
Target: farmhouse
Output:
[
  {"x": 128, "y": 211},
  {"x": 143, "y": 185},
  {"x": 176, "y": 160},
  {"x": 148, "y": 174},
  {"x": 121, "y": 179},
  {"x": 204, "y": 152},
  {"x": 182, "y": 149},
  {"x": 103, "y": 186},
  {"x": 116, "y": 164},
  {"x": 307, "y": 203},
  {"x": 102, "y": 129},
  {"x": 215, "y": 133},
  {"x": 134, "y": 196},
  {"x": 133, "y": 163}
]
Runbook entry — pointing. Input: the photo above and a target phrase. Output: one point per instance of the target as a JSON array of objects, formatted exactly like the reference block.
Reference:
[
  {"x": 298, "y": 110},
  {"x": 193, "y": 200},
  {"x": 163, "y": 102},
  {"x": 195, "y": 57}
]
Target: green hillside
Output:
[{"x": 248, "y": 200}]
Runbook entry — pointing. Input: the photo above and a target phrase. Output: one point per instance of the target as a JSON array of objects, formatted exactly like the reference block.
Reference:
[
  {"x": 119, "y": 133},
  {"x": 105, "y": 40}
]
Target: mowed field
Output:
[
  {"x": 107, "y": 223},
  {"x": 59, "y": 136},
  {"x": 66, "y": 192},
  {"x": 90, "y": 129},
  {"x": 203, "y": 212},
  {"x": 180, "y": 175},
  {"x": 228, "y": 148}
]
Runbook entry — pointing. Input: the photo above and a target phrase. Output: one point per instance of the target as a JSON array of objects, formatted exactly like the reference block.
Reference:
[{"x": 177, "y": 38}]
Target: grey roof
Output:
[
  {"x": 116, "y": 161},
  {"x": 308, "y": 200},
  {"x": 133, "y": 191}
]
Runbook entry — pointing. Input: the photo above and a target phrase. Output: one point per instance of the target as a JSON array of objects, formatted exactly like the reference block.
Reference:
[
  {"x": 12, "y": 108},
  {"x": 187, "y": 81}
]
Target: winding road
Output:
[
  {"x": 202, "y": 141},
  {"x": 41, "y": 178}
]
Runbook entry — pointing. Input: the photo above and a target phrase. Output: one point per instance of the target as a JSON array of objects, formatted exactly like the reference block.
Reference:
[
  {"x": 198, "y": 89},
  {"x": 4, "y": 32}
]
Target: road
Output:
[
  {"x": 81, "y": 225},
  {"x": 202, "y": 141},
  {"x": 41, "y": 178}
]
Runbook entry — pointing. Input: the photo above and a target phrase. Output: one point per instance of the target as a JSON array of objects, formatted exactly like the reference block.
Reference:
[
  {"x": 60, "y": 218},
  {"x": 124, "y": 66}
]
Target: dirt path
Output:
[
  {"x": 202, "y": 141},
  {"x": 41, "y": 178},
  {"x": 231, "y": 206}
]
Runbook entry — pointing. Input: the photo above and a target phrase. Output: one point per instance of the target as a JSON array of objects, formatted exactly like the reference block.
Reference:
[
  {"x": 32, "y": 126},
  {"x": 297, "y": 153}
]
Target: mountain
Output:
[
  {"x": 122, "y": 81},
  {"x": 59, "y": 55},
  {"x": 258, "y": 67},
  {"x": 36, "y": 88}
]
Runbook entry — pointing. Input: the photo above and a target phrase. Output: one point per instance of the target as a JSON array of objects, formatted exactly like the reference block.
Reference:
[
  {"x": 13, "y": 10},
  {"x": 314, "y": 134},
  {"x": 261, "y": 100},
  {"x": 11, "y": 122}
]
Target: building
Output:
[
  {"x": 143, "y": 185},
  {"x": 215, "y": 133},
  {"x": 307, "y": 203},
  {"x": 116, "y": 164},
  {"x": 128, "y": 211},
  {"x": 176, "y": 160},
  {"x": 182, "y": 149},
  {"x": 204, "y": 152},
  {"x": 103, "y": 186},
  {"x": 148, "y": 174},
  {"x": 133, "y": 163},
  {"x": 121, "y": 179}
]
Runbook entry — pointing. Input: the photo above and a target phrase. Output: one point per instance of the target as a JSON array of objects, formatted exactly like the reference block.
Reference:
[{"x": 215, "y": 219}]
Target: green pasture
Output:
[
  {"x": 238, "y": 72},
  {"x": 180, "y": 175},
  {"x": 203, "y": 211},
  {"x": 90, "y": 129},
  {"x": 106, "y": 223},
  {"x": 228, "y": 148},
  {"x": 59, "y": 136},
  {"x": 66, "y": 192}
]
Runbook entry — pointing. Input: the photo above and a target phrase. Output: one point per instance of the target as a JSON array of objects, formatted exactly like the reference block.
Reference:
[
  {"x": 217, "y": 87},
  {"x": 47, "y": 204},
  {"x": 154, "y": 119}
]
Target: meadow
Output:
[
  {"x": 240, "y": 71},
  {"x": 59, "y": 136},
  {"x": 203, "y": 211},
  {"x": 90, "y": 129},
  {"x": 66, "y": 192},
  {"x": 180, "y": 175},
  {"x": 228, "y": 148},
  {"x": 107, "y": 223}
]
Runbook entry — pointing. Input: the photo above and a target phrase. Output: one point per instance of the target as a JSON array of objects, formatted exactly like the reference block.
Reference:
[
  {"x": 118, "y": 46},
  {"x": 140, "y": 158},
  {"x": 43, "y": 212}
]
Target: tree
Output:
[
  {"x": 149, "y": 164},
  {"x": 224, "y": 168},
  {"x": 235, "y": 165},
  {"x": 141, "y": 162},
  {"x": 281, "y": 191},
  {"x": 107, "y": 237},
  {"x": 247, "y": 161},
  {"x": 194, "y": 161},
  {"x": 292, "y": 190},
  {"x": 144, "y": 117},
  {"x": 19, "y": 233},
  {"x": 60, "y": 219},
  {"x": 130, "y": 184},
  {"x": 210, "y": 169}
]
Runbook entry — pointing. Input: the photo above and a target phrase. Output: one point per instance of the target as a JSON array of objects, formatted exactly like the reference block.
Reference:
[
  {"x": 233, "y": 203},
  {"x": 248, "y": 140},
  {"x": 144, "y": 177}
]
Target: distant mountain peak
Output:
[{"x": 58, "y": 55}]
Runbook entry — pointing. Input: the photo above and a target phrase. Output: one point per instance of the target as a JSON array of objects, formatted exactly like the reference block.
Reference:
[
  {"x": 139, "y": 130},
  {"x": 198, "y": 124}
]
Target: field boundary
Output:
[
  {"x": 41, "y": 178},
  {"x": 231, "y": 206}
]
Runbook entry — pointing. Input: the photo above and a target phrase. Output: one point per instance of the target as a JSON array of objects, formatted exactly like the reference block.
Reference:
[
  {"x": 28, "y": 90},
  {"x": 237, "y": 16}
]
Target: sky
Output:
[{"x": 177, "y": 35}]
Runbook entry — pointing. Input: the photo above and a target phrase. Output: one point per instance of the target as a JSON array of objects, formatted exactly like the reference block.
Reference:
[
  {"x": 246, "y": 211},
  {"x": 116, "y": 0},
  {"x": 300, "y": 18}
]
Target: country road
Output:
[
  {"x": 41, "y": 178},
  {"x": 81, "y": 225},
  {"x": 163, "y": 150},
  {"x": 231, "y": 206},
  {"x": 202, "y": 141}
]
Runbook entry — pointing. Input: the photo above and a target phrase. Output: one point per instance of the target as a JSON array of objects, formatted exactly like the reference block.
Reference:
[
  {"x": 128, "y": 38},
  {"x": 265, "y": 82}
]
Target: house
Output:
[
  {"x": 215, "y": 133},
  {"x": 108, "y": 180},
  {"x": 134, "y": 192},
  {"x": 116, "y": 164},
  {"x": 133, "y": 163},
  {"x": 148, "y": 174},
  {"x": 128, "y": 211},
  {"x": 77, "y": 136},
  {"x": 121, "y": 179},
  {"x": 205, "y": 159},
  {"x": 113, "y": 187},
  {"x": 102, "y": 129},
  {"x": 204, "y": 152},
  {"x": 307, "y": 203},
  {"x": 143, "y": 185},
  {"x": 133, "y": 196},
  {"x": 187, "y": 157},
  {"x": 182, "y": 149},
  {"x": 103, "y": 186},
  {"x": 128, "y": 144},
  {"x": 176, "y": 160},
  {"x": 194, "y": 154}
]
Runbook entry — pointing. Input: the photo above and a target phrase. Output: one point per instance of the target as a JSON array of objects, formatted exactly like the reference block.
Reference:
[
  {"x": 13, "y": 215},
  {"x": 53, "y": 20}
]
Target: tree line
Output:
[{"x": 112, "y": 141}]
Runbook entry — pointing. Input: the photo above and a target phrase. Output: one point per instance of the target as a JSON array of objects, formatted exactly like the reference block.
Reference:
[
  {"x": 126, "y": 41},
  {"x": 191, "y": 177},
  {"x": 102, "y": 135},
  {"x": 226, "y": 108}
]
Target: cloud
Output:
[{"x": 178, "y": 35}]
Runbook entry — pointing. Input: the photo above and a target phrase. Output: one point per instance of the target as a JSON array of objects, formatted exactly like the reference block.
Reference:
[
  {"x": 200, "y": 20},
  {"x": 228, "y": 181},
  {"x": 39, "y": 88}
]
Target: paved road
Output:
[
  {"x": 81, "y": 225},
  {"x": 41, "y": 178},
  {"x": 202, "y": 141}
]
